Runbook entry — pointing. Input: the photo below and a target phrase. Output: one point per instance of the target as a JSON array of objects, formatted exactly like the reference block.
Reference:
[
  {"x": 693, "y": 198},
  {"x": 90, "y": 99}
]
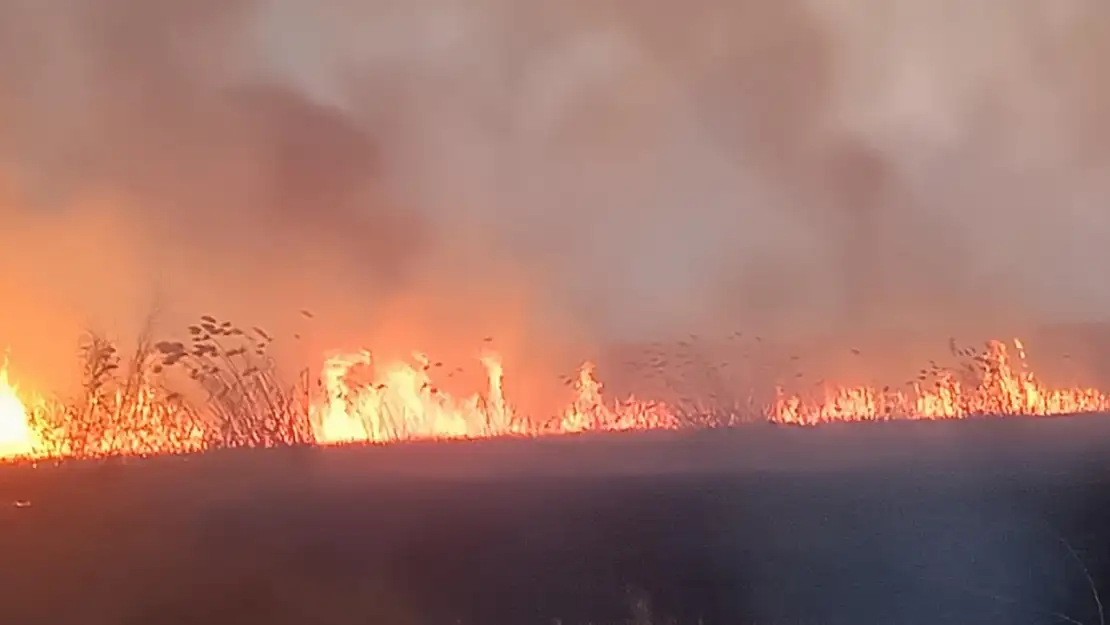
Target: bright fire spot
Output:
[
  {"x": 362, "y": 400},
  {"x": 589, "y": 412},
  {"x": 402, "y": 402},
  {"x": 16, "y": 437}
]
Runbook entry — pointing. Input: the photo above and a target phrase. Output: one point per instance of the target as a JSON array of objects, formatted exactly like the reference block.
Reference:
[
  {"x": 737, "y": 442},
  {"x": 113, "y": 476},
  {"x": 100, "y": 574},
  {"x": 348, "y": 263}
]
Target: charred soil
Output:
[{"x": 972, "y": 521}]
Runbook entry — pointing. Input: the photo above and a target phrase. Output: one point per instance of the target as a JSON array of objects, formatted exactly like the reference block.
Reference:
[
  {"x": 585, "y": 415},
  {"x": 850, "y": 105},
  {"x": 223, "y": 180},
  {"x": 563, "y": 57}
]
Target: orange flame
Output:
[
  {"x": 589, "y": 412},
  {"x": 16, "y": 437},
  {"x": 1002, "y": 387},
  {"x": 402, "y": 402}
]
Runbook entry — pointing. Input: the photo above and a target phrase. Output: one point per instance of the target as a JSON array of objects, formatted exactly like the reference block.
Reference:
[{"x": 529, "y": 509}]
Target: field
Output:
[{"x": 966, "y": 521}]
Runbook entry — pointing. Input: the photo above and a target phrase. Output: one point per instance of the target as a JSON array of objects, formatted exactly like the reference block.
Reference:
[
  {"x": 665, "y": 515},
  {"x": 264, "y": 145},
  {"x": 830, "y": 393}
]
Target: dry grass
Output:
[
  {"x": 220, "y": 388},
  {"x": 250, "y": 402}
]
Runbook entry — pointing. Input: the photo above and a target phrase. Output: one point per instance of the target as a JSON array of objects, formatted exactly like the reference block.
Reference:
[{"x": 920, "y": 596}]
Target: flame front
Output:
[
  {"x": 1001, "y": 387},
  {"x": 401, "y": 401},
  {"x": 16, "y": 437}
]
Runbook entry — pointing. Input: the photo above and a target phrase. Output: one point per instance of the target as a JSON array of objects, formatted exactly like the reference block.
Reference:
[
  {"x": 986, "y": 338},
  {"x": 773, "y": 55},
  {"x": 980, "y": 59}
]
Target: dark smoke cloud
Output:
[{"x": 638, "y": 168}]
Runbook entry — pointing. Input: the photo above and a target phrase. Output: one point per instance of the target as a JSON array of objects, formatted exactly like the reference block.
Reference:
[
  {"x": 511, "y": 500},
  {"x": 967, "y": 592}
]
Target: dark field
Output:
[{"x": 988, "y": 521}]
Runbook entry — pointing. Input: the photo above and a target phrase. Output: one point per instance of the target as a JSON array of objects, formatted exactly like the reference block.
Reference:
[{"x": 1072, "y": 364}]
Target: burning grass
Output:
[{"x": 220, "y": 387}]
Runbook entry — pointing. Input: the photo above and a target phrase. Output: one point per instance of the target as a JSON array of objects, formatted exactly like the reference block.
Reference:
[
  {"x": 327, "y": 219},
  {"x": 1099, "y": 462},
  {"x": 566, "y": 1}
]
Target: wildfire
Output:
[
  {"x": 403, "y": 403},
  {"x": 16, "y": 438},
  {"x": 400, "y": 401},
  {"x": 996, "y": 384}
]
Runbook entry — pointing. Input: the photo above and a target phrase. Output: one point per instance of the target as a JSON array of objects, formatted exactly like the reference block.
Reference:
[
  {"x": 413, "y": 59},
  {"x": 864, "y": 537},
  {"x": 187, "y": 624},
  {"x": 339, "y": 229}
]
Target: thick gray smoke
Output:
[{"x": 602, "y": 169}]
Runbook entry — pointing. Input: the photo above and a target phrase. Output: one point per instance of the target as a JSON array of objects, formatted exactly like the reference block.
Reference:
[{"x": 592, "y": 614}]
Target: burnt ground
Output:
[{"x": 961, "y": 522}]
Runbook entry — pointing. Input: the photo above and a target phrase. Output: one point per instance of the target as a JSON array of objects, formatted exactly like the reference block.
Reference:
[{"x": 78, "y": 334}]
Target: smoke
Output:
[{"x": 582, "y": 171}]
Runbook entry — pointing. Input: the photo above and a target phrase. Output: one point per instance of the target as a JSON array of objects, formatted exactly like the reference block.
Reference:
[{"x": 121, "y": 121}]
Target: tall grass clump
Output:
[
  {"x": 242, "y": 392},
  {"x": 122, "y": 408},
  {"x": 221, "y": 388}
]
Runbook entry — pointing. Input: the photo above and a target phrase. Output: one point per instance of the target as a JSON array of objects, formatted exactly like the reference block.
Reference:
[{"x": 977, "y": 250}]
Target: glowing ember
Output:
[
  {"x": 16, "y": 438},
  {"x": 398, "y": 401}
]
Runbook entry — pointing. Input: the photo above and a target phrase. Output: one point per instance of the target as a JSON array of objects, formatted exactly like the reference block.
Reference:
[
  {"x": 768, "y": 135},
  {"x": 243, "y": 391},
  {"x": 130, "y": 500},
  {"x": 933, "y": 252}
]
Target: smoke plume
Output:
[{"x": 552, "y": 173}]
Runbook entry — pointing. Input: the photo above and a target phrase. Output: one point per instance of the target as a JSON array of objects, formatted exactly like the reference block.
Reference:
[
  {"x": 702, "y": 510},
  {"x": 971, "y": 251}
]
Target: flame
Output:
[
  {"x": 16, "y": 437},
  {"x": 403, "y": 403},
  {"x": 590, "y": 412},
  {"x": 400, "y": 401},
  {"x": 138, "y": 423},
  {"x": 999, "y": 385}
]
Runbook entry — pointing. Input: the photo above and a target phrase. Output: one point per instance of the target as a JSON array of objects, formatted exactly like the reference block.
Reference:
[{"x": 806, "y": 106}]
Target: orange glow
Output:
[
  {"x": 362, "y": 400},
  {"x": 401, "y": 402},
  {"x": 140, "y": 423},
  {"x": 16, "y": 438},
  {"x": 1000, "y": 385}
]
